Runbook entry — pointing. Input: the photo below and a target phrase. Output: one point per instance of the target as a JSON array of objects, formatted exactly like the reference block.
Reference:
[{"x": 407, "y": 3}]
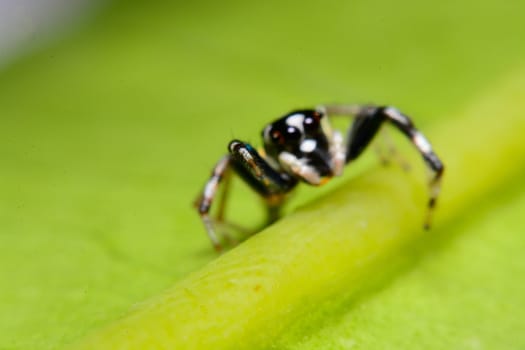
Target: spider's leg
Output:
[
  {"x": 225, "y": 192},
  {"x": 387, "y": 151},
  {"x": 205, "y": 200},
  {"x": 256, "y": 172},
  {"x": 269, "y": 183},
  {"x": 337, "y": 152},
  {"x": 368, "y": 120}
]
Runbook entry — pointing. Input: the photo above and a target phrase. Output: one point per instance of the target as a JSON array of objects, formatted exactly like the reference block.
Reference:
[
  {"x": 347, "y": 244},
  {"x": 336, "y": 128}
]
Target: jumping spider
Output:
[{"x": 302, "y": 146}]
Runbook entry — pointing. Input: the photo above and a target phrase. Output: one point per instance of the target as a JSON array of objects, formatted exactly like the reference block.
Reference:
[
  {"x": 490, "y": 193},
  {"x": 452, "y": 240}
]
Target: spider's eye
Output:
[
  {"x": 292, "y": 134},
  {"x": 312, "y": 122},
  {"x": 277, "y": 137}
]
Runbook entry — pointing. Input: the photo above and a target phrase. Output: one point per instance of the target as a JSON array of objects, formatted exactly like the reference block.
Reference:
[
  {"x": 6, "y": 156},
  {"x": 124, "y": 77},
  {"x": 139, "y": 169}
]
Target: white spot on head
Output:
[
  {"x": 422, "y": 143},
  {"x": 308, "y": 145},
  {"x": 296, "y": 120}
]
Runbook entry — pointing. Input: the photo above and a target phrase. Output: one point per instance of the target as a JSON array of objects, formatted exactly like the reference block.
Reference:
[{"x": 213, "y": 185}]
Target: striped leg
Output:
[
  {"x": 434, "y": 164},
  {"x": 204, "y": 202},
  {"x": 270, "y": 184},
  {"x": 246, "y": 162},
  {"x": 368, "y": 120}
]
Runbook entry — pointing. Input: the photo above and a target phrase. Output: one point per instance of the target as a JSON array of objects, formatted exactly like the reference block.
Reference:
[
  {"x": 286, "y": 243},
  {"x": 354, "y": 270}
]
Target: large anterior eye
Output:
[{"x": 292, "y": 134}]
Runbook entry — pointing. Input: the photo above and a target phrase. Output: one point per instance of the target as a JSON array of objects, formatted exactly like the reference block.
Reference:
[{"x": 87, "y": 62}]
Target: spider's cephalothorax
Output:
[{"x": 301, "y": 146}]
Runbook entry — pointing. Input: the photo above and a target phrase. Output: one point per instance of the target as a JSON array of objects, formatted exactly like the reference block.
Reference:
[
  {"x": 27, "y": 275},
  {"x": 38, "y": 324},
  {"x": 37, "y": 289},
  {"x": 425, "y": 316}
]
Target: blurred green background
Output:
[{"x": 107, "y": 135}]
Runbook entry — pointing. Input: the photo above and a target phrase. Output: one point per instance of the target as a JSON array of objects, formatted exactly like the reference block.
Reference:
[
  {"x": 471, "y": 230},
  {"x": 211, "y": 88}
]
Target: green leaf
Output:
[
  {"x": 106, "y": 137},
  {"x": 326, "y": 250}
]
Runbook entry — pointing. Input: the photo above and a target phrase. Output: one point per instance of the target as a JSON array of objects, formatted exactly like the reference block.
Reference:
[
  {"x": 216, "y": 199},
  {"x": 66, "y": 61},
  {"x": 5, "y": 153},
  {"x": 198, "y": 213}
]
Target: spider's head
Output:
[{"x": 300, "y": 140}]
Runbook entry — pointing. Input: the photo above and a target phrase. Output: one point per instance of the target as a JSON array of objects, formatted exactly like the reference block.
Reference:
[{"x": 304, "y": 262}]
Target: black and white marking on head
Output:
[
  {"x": 308, "y": 145},
  {"x": 296, "y": 120},
  {"x": 297, "y": 123},
  {"x": 304, "y": 134}
]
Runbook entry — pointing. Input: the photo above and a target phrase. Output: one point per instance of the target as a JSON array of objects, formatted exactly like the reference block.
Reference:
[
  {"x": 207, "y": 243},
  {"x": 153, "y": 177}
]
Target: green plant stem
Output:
[{"x": 250, "y": 294}]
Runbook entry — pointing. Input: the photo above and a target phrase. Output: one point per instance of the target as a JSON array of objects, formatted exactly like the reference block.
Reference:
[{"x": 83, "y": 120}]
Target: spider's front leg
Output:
[
  {"x": 368, "y": 120},
  {"x": 246, "y": 162}
]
